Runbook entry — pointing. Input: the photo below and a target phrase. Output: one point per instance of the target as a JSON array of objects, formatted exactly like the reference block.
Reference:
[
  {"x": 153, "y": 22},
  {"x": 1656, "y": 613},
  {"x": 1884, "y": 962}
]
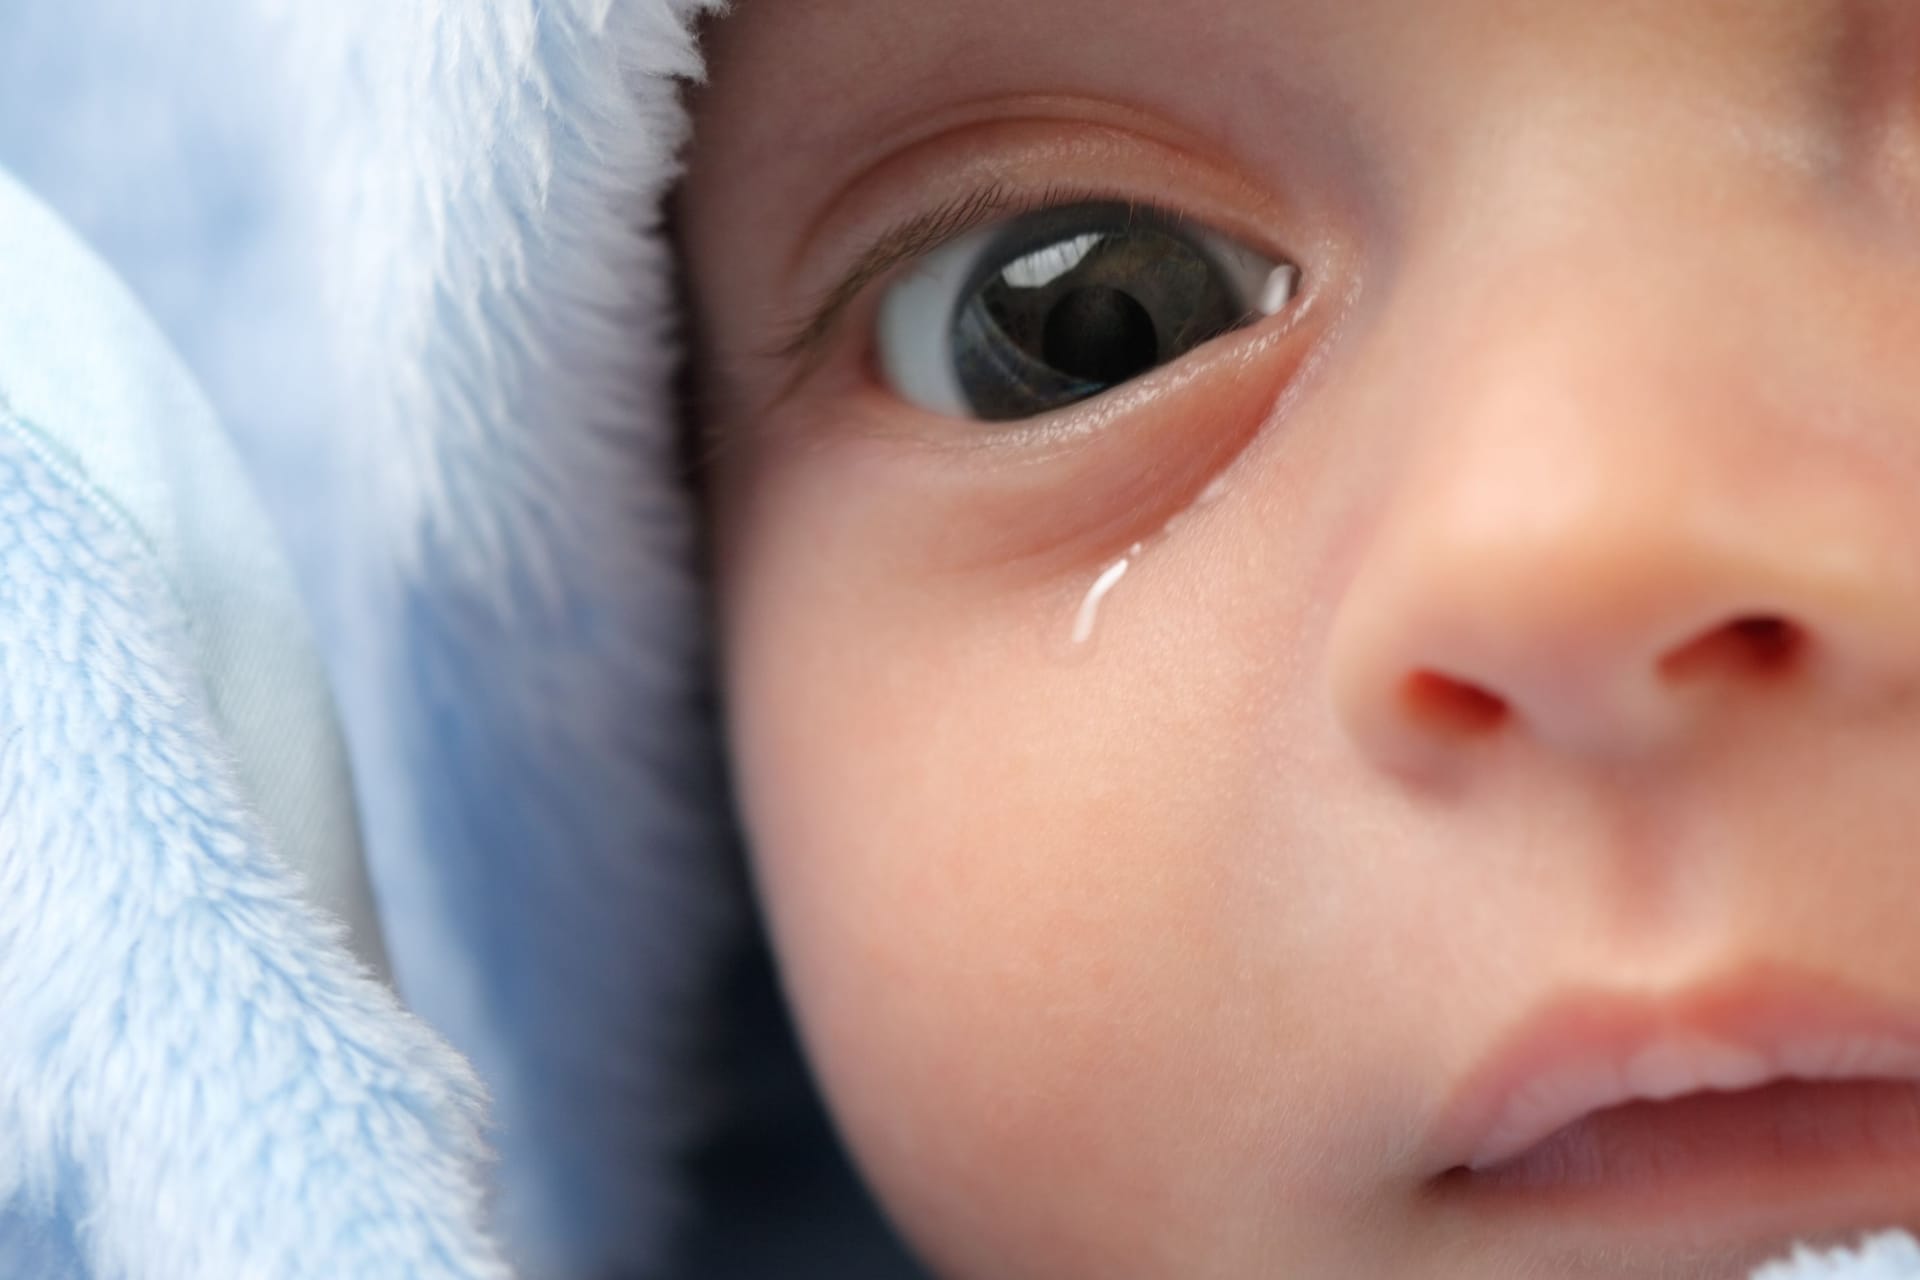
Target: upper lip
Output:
[{"x": 1579, "y": 1052}]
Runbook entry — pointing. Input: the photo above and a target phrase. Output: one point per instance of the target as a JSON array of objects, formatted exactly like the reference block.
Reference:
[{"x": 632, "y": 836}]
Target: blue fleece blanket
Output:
[
  {"x": 405, "y": 248},
  {"x": 197, "y": 1076}
]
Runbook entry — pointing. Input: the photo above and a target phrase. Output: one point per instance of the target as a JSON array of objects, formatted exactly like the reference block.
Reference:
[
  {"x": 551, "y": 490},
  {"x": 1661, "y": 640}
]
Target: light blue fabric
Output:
[
  {"x": 83, "y": 366},
  {"x": 407, "y": 249},
  {"x": 197, "y": 1078},
  {"x": 1894, "y": 1256},
  {"x": 164, "y": 133}
]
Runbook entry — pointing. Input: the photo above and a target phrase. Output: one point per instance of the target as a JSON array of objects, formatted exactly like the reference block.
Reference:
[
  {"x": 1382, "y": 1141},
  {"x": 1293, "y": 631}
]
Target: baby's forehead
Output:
[{"x": 825, "y": 76}]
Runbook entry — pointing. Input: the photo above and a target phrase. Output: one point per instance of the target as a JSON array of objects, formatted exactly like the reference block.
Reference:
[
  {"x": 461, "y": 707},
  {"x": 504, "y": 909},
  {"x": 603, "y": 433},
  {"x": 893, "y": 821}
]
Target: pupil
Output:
[{"x": 1100, "y": 334}]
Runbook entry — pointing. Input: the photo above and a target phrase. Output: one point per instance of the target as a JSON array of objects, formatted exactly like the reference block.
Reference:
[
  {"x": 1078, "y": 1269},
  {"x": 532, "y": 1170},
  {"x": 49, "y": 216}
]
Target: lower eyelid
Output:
[
  {"x": 1053, "y": 498},
  {"x": 855, "y": 403}
]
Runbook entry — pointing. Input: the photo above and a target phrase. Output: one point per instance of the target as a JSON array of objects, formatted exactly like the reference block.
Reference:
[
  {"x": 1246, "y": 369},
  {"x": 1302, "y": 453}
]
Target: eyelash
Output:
[{"x": 927, "y": 232}]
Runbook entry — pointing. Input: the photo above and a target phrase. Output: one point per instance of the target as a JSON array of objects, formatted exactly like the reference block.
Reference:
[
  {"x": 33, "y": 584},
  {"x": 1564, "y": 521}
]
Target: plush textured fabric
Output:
[
  {"x": 522, "y": 666},
  {"x": 410, "y": 246},
  {"x": 196, "y": 1077},
  {"x": 412, "y": 249},
  {"x": 81, "y": 362},
  {"x": 1894, "y": 1256}
]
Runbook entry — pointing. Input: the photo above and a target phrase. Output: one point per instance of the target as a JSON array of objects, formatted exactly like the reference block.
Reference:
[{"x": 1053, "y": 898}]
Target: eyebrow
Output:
[{"x": 917, "y": 236}]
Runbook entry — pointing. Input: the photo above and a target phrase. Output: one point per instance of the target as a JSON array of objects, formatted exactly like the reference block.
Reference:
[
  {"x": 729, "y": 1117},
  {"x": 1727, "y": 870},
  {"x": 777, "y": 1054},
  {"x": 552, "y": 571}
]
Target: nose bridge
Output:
[{"x": 1610, "y": 518}]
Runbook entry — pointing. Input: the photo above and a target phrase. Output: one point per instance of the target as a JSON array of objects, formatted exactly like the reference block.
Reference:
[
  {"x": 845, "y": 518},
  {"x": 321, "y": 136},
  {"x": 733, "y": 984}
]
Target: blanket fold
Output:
[{"x": 198, "y": 1078}]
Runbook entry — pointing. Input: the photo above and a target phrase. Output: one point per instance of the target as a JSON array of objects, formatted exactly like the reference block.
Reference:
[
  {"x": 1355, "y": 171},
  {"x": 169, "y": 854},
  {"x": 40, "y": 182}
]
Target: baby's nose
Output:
[{"x": 1628, "y": 515}]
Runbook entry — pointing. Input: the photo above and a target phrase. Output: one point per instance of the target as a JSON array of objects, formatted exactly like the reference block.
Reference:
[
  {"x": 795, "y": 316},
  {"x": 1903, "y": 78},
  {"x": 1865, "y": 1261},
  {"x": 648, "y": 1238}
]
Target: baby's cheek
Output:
[
  {"x": 1074, "y": 1005},
  {"x": 985, "y": 969}
]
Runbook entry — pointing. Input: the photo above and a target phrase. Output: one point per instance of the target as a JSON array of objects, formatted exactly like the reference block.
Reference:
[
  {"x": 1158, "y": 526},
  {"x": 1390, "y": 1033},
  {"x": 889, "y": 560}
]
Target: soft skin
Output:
[{"x": 1553, "y": 623}]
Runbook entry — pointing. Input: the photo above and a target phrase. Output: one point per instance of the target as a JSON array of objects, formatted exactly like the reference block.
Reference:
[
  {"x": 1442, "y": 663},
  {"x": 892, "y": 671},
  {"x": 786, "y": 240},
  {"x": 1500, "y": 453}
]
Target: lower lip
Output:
[{"x": 1791, "y": 1158}]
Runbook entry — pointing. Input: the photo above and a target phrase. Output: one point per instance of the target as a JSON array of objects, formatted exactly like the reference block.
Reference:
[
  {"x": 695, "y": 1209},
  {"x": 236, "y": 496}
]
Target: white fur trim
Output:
[{"x": 522, "y": 662}]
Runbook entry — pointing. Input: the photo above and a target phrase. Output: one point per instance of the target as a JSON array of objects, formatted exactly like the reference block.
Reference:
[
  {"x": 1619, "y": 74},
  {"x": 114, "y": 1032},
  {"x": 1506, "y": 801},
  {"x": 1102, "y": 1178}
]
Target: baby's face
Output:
[{"x": 1312, "y": 591}]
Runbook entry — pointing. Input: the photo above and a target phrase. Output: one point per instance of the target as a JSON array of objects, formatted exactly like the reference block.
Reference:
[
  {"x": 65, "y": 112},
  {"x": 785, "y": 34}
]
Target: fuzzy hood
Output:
[{"x": 413, "y": 253}]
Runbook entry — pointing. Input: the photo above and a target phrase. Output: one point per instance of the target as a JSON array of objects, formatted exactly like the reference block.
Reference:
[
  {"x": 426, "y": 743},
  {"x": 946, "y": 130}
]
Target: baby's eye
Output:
[{"x": 1056, "y": 307}]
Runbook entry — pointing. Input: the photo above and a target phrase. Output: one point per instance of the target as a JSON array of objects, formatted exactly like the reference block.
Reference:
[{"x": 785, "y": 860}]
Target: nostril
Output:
[
  {"x": 1455, "y": 706},
  {"x": 1761, "y": 645}
]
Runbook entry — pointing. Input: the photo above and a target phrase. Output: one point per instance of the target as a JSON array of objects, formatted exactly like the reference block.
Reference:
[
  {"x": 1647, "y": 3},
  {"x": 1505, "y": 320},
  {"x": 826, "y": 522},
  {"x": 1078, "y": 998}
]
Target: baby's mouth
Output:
[
  {"x": 1805, "y": 1127},
  {"x": 1770, "y": 1105}
]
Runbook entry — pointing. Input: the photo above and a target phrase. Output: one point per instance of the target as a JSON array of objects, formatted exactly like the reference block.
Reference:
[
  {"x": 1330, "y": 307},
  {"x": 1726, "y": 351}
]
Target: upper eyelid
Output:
[
  {"x": 908, "y": 242},
  {"x": 1092, "y": 149}
]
